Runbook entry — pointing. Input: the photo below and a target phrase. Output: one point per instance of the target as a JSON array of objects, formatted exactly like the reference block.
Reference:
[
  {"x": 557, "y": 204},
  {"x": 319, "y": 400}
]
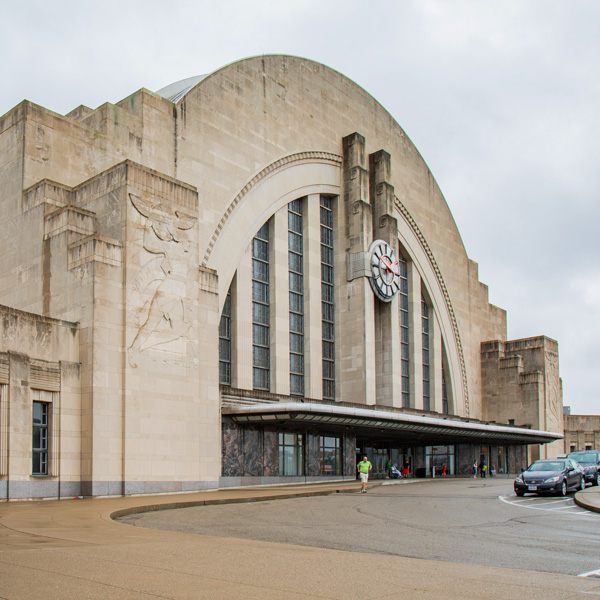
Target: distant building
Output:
[
  {"x": 246, "y": 278},
  {"x": 582, "y": 432}
]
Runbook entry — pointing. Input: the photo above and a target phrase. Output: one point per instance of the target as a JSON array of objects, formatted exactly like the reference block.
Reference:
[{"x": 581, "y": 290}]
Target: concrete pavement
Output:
[{"x": 74, "y": 549}]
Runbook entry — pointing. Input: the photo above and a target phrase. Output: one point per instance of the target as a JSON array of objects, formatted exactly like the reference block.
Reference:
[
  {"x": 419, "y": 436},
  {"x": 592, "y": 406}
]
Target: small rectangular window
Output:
[{"x": 40, "y": 439}]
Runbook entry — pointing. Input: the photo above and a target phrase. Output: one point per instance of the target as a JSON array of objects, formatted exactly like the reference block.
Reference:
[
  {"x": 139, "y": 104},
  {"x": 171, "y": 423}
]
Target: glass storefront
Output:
[
  {"x": 291, "y": 454},
  {"x": 439, "y": 461},
  {"x": 330, "y": 455}
]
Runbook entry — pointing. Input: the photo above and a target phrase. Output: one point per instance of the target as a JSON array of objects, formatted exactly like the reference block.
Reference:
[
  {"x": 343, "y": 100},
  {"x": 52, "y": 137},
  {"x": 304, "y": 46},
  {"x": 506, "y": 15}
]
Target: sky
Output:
[{"x": 500, "y": 97}]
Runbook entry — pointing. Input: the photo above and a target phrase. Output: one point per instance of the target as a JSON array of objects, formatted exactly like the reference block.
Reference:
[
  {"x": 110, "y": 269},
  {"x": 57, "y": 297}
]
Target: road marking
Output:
[
  {"x": 595, "y": 574},
  {"x": 541, "y": 504}
]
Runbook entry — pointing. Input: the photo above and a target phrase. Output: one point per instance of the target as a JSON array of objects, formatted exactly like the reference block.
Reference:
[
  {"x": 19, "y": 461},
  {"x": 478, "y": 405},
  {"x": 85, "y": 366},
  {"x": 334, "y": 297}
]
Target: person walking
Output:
[
  {"x": 484, "y": 469},
  {"x": 388, "y": 468},
  {"x": 363, "y": 468},
  {"x": 474, "y": 469}
]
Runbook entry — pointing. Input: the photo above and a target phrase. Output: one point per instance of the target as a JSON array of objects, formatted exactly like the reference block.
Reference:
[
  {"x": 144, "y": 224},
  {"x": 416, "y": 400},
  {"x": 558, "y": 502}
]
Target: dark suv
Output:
[{"x": 590, "y": 461}]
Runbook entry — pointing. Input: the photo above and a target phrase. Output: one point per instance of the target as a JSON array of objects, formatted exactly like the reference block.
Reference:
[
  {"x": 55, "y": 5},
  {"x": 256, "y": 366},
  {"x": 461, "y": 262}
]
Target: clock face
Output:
[{"x": 385, "y": 272}]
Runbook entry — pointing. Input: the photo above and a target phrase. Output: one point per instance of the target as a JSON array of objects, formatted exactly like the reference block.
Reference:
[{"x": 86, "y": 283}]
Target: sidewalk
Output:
[
  {"x": 73, "y": 549},
  {"x": 589, "y": 498}
]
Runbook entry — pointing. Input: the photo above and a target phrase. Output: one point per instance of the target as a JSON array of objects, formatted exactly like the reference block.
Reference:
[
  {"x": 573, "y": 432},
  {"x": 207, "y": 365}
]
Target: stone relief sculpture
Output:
[
  {"x": 554, "y": 408},
  {"x": 159, "y": 296}
]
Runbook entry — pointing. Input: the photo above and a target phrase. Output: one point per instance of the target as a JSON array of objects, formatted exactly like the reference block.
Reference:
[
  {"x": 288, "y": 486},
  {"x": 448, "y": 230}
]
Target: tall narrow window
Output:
[
  {"x": 330, "y": 451},
  {"x": 225, "y": 342},
  {"x": 291, "y": 454},
  {"x": 295, "y": 260},
  {"x": 260, "y": 310},
  {"x": 327, "y": 304},
  {"x": 40, "y": 439},
  {"x": 444, "y": 392},
  {"x": 404, "y": 333},
  {"x": 425, "y": 338}
]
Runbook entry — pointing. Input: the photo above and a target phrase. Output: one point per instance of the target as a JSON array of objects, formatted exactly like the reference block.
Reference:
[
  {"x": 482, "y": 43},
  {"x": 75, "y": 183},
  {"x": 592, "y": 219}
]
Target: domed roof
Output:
[{"x": 176, "y": 90}]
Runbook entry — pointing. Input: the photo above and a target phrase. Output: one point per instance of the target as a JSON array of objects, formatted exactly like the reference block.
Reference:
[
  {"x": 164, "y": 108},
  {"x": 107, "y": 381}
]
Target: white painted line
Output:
[
  {"x": 556, "y": 501},
  {"x": 595, "y": 573}
]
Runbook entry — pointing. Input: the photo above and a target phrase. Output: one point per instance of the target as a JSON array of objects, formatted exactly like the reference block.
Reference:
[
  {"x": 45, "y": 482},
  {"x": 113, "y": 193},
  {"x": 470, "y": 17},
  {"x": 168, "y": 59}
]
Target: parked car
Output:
[
  {"x": 550, "y": 476},
  {"x": 590, "y": 461}
]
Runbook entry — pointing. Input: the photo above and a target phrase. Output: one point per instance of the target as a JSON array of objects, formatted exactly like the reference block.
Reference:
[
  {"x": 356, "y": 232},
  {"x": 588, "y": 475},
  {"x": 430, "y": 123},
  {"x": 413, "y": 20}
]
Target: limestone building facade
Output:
[
  {"x": 249, "y": 277},
  {"x": 582, "y": 432}
]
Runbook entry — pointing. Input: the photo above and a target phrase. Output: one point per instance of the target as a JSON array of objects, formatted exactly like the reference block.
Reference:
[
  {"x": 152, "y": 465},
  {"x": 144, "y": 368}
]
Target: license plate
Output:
[{"x": 532, "y": 488}]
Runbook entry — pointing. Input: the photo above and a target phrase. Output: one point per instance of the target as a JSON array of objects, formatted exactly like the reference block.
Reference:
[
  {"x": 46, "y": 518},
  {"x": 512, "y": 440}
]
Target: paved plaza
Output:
[{"x": 74, "y": 549}]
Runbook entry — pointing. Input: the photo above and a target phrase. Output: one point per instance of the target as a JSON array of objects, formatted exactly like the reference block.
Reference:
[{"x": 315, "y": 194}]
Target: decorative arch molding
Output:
[
  {"x": 284, "y": 180},
  {"x": 424, "y": 246},
  {"x": 282, "y": 163}
]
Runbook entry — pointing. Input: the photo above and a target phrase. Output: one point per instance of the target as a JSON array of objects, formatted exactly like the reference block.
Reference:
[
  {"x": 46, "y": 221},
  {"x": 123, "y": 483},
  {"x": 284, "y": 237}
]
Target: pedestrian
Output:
[
  {"x": 474, "y": 469},
  {"x": 443, "y": 470},
  {"x": 405, "y": 468},
  {"x": 388, "y": 468},
  {"x": 484, "y": 469},
  {"x": 363, "y": 468}
]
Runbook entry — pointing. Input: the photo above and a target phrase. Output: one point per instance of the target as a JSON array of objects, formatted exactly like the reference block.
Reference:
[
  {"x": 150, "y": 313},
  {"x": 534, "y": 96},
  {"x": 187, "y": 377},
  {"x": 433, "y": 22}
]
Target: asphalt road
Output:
[{"x": 477, "y": 522}]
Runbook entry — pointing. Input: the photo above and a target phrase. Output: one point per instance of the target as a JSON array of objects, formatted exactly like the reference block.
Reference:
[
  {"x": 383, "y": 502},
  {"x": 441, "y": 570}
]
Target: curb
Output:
[{"x": 582, "y": 500}]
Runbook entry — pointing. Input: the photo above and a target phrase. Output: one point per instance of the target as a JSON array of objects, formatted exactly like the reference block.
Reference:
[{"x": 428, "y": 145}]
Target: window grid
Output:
[
  {"x": 291, "y": 454},
  {"x": 296, "y": 292},
  {"x": 40, "y": 439},
  {"x": 404, "y": 330},
  {"x": 426, "y": 364},
  {"x": 444, "y": 392},
  {"x": 327, "y": 303},
  {"x": 260, "y": 310},
  {"x": 225, "y": 342},
  {"x": 330, "y": 451}
]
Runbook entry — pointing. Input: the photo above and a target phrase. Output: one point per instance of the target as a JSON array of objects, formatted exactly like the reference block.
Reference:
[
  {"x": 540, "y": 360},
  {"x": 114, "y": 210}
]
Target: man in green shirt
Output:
[{"x": 363, "y": 468}]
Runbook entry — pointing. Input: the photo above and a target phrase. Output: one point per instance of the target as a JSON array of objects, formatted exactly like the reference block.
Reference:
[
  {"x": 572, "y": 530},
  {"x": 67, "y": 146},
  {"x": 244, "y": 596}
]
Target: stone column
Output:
[
  {"x": 353, "y": 294},
  {"x": 313, "y": 347},
  {"x": 241, "y": 324},
  {"x": 280, "y": 303},
  {"x": 435, "y": 362},
  {"x": 387, "y": 318}
]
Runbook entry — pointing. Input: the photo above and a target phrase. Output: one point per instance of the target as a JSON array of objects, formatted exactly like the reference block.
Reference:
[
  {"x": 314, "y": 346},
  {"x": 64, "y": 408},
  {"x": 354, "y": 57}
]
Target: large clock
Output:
[{"x": 385, "y": 272}]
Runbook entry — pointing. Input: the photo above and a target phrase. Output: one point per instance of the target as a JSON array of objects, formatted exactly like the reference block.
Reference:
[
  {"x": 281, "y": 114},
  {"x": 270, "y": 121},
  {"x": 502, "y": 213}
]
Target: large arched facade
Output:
[{"x": 259, "y": 278}]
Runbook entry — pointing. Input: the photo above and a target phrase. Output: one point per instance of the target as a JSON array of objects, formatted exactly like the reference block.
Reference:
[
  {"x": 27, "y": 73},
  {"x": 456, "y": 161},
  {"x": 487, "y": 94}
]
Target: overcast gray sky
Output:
[{"x": 501, "y": 98}]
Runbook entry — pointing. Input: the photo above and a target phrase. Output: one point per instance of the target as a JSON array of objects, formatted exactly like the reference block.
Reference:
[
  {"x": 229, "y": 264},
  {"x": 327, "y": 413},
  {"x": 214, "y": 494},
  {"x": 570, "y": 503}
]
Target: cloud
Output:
[{"x": 500, "y": 98}]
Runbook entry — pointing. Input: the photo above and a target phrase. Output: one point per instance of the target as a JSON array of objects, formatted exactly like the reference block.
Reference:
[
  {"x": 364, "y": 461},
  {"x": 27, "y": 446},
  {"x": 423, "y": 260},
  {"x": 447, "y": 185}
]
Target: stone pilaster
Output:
[
  {"x": 387, "y": 318},
  {"x": 354, "y": 297}
]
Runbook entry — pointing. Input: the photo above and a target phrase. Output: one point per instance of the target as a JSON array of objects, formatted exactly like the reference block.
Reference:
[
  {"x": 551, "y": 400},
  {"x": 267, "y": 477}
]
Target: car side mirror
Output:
[{"x": 570, "y": 469}]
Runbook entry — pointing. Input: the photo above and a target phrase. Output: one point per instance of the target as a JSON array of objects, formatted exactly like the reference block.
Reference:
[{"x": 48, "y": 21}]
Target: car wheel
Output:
[
  {"x": 582, "y": 484},
  {"x": 596, "y": 480},
  {"x": 520, "y": 493},
  {"x": 563, "y": 488}
]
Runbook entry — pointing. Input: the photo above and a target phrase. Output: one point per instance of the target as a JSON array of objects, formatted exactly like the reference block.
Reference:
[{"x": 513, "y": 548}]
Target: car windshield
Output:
[
  {"x": 591, "y": 457},
  {"x": 558, "y": 465}
]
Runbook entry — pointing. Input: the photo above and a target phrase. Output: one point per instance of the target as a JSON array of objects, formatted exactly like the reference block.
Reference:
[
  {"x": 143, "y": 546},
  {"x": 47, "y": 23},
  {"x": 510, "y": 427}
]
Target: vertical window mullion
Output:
[
  {"x": 225, "y": 342},
  {"x": 327, "y": 298},
  {"x": 296, "y": 293},
  {"x": 426, "y": 360},
  {"x": 260, "y": 310},
  {"x": 404, "y": 330}
]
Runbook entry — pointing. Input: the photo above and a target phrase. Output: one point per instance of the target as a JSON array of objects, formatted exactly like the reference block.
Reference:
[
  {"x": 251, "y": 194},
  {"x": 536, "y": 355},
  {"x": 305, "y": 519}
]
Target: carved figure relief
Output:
[
  {"x": 554, "y": 401},
  {"x": 159, "y": 296}
]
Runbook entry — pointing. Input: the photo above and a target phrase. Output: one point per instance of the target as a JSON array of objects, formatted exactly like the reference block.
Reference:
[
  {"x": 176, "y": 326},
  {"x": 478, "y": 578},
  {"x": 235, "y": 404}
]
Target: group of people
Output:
[{"x": 481, "y": 468}]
